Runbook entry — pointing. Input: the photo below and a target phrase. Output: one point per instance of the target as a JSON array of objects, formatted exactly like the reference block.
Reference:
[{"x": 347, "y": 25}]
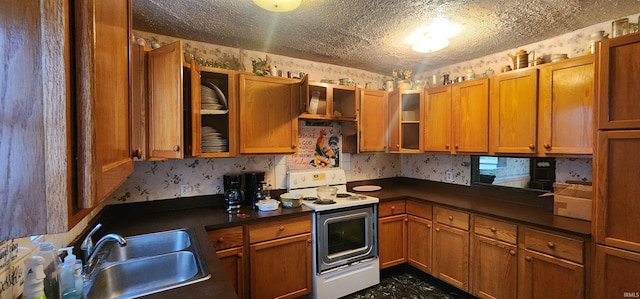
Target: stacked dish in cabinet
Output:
[{"x": 213, "y": 105}]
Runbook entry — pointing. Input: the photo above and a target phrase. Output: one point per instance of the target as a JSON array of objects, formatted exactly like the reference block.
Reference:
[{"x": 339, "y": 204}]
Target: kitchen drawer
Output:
[
  {"x": 390, "y": 208},
  {"x": 420, "y": 209},
  {"x": 553, "y": 244},
  {"x": 495, "y": 229},
  {"x": 452, "y": 218},
  {"x": 279, "y": 228},
  {"x": 226, "y": 237}
]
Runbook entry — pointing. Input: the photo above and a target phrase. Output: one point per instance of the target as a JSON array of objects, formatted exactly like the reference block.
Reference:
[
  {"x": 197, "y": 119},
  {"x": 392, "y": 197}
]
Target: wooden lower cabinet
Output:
[
  {"x": 392, "y": 237},
  {"x": 232, "y": 260},
  {"x": 281, "y": 268},
  {"x": 451, "y": 255},
  {"x": 419, "y": 242},
  {"x": 617, "y": 273},
  {"x": 544, "y": 276},
  {"x": 493, "y": 268}
]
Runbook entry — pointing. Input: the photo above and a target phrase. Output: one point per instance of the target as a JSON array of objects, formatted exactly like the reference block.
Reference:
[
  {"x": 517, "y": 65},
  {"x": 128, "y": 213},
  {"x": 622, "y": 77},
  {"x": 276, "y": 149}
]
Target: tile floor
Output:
[{"x": 407, "y": 282}]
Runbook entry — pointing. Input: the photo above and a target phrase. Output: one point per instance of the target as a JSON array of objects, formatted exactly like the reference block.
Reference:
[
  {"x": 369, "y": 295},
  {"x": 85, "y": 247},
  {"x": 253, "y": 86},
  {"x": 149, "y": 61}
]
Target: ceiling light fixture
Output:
[
  {"x": 278, "y": 5},
  {"x": 433, "y": 37},
  {"x": 430, "y": 44}
]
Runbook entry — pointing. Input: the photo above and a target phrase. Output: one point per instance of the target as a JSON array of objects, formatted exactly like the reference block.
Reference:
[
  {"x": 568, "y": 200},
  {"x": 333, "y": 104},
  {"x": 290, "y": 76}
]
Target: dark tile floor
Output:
[{"x": 407, "y": 282}]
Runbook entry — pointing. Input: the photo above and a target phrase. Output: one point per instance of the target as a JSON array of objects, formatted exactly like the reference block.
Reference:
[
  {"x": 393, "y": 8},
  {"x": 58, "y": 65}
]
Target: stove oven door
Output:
[{"x": 345, "y": 236}]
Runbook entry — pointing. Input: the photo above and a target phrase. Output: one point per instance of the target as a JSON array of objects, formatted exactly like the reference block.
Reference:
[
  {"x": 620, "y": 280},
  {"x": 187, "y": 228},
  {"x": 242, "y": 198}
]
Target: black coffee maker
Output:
[
  {"x": 233, "y": 194},
  {"x": 253, "y": 187}
]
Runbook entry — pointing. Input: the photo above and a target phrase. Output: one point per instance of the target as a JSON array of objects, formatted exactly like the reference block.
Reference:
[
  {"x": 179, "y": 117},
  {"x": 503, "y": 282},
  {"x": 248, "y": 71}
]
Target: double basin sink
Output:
[{"x": 148, "y": 264}]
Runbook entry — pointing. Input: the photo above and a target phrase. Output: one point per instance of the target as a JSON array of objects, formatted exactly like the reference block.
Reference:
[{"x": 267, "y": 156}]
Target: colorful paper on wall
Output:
[{"x": 319, "y": 146}]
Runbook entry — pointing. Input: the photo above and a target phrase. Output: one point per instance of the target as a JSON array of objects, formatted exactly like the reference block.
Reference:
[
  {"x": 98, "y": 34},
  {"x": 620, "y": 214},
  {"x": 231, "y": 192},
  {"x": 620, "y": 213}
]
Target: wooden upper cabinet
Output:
[
  {"x": 104, "y": 78},
  {"x": 207, "y": 118},
  {"x": 617, "y": 75},
  {"x": 617, "y": 185},
  {"x": 405, "y": 125},
  {"x": 373, "y": 121},
  {"x": 269, "y": 109},
  {"x": 470, "y": 120},
  {"x": 437, "y": 119},
  {"x": 335, "y": 102},
  {"x": 165, "y": 104},
  {"x": 514, "y": 106},
  {"x": 566, "y": 102}
]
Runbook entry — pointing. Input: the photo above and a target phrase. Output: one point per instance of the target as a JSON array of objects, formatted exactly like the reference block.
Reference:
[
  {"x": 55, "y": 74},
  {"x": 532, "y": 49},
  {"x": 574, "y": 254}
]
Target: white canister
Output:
[
  {"x": 594, "y": 38},
  {"x": 388, "y": 85}
]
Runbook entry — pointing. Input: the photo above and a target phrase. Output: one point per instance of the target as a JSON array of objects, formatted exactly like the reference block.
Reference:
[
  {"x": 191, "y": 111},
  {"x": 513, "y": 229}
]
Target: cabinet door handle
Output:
[
  {"x": 309, "y": 241},
  {"x": 406, "y": 220},
  {"x": 176, "y": 148},
  {"x": 456, "y": 146},
  {"x": 551, "y": 245},
  {"x": 429, "y": 226},
  {"x": 532, "y": 147},
  {"x": 437, "y": 229},
  {"x": 446, "y": 146},
  {"x": 239, "y": 254},
  {"x": 512, "y": 252},
  {"x": 527, "y": 258},
  {"x": 281, "y": 228},
  {"x": 547, "y": 146},
  {"x": 493, "y": 229},
  {"x": 450, "y": 218},
  {"x": 220, "y": 240}
]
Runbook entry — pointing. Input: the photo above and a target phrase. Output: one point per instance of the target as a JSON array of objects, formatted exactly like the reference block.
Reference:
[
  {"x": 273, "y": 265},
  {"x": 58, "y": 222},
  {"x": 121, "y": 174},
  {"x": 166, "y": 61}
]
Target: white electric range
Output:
[{"x": 345, "y": 238}]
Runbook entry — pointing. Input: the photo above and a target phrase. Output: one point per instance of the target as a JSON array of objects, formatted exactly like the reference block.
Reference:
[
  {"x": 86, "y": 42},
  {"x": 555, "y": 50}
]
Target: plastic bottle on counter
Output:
[
  {"x": 67, "y": 277},
  {"x": 51, "y": 263},
  {"x": 34, "y": 278}
]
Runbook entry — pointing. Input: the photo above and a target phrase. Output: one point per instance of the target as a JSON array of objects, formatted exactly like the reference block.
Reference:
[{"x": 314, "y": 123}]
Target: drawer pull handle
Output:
[
  {"x": 220, "y": 240},
  {"x": 493, "y": 229},
  {"x": 451, "y": 218},
  {"x": 527, "y": 258},
  {"x": 551, "y": 245},
  {"x": 281, "y": 228},
  {"x": 393, "y": 208},
  {"x": 512, "y": 252}
]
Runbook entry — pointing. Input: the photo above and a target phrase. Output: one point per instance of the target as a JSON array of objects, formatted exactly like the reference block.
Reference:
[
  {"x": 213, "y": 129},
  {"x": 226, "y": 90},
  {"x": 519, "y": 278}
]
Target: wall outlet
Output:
[
  {"x": 448, "y": 176},
  {"x": 186, "y": 190}
]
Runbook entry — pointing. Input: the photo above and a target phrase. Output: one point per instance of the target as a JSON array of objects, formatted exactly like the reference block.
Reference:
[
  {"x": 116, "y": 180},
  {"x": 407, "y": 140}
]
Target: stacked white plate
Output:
[
  {"x": 212, "y": 97},
  {"x": 212, "y": 141}
]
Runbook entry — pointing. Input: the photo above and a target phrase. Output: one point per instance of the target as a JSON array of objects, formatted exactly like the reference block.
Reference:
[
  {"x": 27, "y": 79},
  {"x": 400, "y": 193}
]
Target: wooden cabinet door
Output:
[
  {"x": 281, "y": 268},
  {"x": 232, "y": 261},
  {"x": 543, "y": 276},
  {"x": 617, "y": 187},
  {"x": 617, "y": 273},
  {"x": 471, "y": 116},
  {"x": 493, "y": 268},
  {"x": 565, "y": 112},
  {"x": 617, "y": 75},
  {"x": 373, "y": 121},
  {"x": 514, "y": 106},
  {"x": 437, "y": 120},
  {"x": 104, "y": 136},
  {"x": 268, "y": 115},
  {"x": 392, "y": 240},
  {"x": 394, "y": 120},
  {"x": 165, "y": 102},
  {"x": 451, "y": 255},
  {"x": 419, "y": 243}
]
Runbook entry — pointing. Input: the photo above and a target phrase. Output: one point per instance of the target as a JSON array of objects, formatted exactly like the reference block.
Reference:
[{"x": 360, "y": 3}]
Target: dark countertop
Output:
[{"x": 207, "y": 213}]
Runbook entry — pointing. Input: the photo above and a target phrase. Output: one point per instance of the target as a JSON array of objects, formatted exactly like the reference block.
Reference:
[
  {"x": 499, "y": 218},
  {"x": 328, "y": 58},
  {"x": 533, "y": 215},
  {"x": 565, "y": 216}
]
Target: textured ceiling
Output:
[{"x": 370, "y": 34}]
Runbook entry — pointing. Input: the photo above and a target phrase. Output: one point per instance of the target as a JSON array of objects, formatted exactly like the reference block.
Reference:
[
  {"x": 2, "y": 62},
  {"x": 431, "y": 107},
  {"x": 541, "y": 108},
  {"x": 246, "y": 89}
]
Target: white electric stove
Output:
[{"x": 345, "y": 238}]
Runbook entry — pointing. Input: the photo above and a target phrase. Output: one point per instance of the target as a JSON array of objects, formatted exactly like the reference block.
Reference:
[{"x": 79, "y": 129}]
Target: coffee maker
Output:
[
  {"x": 233, "y": 194},
  {"x": 253, "y": 187}
]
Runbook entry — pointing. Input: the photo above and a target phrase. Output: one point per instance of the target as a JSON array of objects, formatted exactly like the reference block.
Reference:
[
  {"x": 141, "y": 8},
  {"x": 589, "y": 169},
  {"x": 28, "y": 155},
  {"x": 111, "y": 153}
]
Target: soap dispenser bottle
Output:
[
  {"x": 34, "y": 277},
  {"x": 67, "y": 278}
]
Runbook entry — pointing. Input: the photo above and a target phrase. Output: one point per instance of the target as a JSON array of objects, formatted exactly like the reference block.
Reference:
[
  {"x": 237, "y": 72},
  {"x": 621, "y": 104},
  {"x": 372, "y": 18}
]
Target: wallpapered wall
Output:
[{"x": 161, "y": 180}]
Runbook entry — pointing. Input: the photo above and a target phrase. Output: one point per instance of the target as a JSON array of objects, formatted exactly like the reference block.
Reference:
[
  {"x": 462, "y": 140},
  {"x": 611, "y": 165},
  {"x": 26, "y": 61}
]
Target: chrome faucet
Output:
[{"x": 88, "y": 249}]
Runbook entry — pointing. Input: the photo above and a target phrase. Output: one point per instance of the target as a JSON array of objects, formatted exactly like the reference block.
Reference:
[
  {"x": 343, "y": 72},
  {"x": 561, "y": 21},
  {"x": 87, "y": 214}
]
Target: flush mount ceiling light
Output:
[
  {"x": 433, "y": 37},
  {"x": 430, "y": 44},
  {"x": 278, "y": 5}
]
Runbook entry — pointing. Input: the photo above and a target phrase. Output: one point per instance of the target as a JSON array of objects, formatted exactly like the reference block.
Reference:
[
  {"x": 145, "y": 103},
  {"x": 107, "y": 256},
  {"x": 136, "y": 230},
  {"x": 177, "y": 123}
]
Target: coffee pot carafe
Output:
[{"x": 233, "y": 194}]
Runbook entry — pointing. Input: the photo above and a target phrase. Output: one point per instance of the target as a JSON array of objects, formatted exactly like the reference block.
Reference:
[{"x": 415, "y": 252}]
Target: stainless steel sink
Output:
[
  {"x": 148, "y": 264},
  {"x": 149, "y": 245}
]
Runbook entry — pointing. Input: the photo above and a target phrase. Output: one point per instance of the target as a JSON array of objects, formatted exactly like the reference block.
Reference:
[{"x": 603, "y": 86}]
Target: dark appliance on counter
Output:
[
  {"x": 253, "y": 187},
  {"x": 233, "y": 194},
  {"x": 543, "y": 173}
]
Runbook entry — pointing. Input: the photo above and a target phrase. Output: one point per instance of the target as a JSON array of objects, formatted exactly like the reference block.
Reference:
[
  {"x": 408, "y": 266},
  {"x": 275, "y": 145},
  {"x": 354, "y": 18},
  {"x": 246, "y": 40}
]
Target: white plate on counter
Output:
[{"x": 367, "y": 188}]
